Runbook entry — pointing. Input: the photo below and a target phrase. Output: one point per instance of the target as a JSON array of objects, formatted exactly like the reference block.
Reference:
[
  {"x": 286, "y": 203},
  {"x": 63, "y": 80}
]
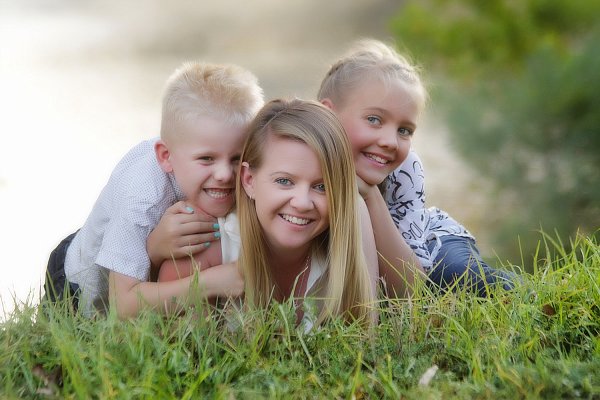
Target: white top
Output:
[
  {"x": 114, "y": 235},
  {"x": 405, "y": 197},
  {"x": 231, "y": 245},
  {"x": 230, "y": 241},
  {"x": 315, "y": 291}
]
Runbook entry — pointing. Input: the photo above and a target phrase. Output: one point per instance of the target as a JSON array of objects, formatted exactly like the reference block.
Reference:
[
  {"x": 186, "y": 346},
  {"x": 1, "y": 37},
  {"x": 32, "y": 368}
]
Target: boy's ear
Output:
[
  {"x": 247, "y": 178},
  {"x": 162, "y": 156},
  {"x": 328, "y": 103}
]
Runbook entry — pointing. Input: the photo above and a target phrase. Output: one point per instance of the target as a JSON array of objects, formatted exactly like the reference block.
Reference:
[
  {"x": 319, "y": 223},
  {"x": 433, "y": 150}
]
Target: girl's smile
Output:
[{"x": 379, "y": 121}]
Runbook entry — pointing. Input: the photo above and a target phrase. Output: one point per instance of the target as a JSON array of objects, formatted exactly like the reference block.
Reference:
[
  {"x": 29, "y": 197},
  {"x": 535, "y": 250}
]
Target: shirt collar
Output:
[{"x": 178, "y": 192}]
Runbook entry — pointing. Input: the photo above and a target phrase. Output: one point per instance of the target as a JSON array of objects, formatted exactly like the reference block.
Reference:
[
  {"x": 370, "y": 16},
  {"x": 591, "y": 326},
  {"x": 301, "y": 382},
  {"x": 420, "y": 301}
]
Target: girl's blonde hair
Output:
[
  {"x": 367, "y": 59},
  {"x": 197, "y": 89},
  {"x": 348, "y": 290}
]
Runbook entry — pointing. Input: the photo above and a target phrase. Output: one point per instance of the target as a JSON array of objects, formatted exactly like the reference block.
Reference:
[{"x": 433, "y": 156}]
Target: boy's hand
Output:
[
  {"x": 222, "y": 280},
  {"x": 180, "y": 232}
]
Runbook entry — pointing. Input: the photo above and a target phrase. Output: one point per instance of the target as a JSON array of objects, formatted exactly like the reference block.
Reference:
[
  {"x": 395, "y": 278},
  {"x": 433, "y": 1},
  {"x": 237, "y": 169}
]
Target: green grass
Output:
[{"x": 541, "y": 340}]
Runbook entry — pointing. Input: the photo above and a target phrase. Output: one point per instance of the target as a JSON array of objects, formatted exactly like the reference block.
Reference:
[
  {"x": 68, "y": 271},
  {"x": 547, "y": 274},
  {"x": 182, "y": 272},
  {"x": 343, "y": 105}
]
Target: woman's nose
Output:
[{"x": 302, "y": 200}]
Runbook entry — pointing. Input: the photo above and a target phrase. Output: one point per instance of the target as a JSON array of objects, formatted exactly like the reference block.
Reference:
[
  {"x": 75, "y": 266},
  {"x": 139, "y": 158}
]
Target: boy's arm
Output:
[
  {"x": 398, "y": 264},
  {"x": 181, "y": 231},
  {"x": 130, "y": 295}
]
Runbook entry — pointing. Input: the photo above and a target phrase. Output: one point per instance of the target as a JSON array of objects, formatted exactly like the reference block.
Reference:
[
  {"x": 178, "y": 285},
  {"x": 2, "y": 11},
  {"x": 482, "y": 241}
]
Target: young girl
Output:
[
  {"x": 378, "y": 96},
  {"x": 300, "y": 215}
]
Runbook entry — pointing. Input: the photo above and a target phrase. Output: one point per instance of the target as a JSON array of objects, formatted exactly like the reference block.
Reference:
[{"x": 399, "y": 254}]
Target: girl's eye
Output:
[
  {"x": 374, "y": 120},
  {"x": 405, "y": 132},
  {"x": 283, "y": 181},
  {"x": 205, "y": 158},
  {"x": 320, "y": 187}
]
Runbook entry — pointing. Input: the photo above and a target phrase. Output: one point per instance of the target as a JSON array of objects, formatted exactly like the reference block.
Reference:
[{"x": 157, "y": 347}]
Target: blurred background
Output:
[{"x": 510, "y": 140}]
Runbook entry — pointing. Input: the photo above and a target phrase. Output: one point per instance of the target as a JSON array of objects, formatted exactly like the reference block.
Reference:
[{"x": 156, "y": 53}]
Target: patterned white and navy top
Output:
[{"x": 405, "y": 197}]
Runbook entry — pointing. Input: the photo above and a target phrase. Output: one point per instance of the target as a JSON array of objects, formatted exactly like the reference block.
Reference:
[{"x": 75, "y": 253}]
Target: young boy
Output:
[{"x": 205, "y": 111}]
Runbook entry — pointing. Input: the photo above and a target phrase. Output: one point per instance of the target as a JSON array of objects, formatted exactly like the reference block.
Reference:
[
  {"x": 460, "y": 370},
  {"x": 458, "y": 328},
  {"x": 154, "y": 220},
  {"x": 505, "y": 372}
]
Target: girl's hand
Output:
[
  {"x": 180, "y": 232},
  {"x": 364, "y": 188}
]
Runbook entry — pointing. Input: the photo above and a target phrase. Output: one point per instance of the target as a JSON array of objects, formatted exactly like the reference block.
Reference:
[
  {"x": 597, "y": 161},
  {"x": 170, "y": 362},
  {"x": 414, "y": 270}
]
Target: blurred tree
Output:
[{"x": 523, "y": 104}]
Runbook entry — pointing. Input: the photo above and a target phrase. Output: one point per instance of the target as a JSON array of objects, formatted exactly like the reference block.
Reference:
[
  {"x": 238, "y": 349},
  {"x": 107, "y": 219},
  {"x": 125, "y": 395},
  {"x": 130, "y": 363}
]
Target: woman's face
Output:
[
  {"x": 379, "y": 120},
  {"x": 289, "y": 193}
]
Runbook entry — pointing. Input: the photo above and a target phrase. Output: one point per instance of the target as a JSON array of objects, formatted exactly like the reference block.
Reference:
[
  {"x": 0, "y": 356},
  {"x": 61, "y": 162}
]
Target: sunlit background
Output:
[{"x": 80, "y": 83}]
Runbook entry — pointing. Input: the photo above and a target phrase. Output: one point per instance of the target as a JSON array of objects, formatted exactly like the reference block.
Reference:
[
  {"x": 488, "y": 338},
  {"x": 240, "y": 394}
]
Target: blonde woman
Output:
[{"x": 300, "y": 215}]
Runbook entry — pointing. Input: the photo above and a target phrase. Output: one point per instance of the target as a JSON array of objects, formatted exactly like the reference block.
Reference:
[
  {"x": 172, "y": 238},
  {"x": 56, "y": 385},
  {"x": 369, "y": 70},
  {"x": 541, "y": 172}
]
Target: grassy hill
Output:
[{"x": 541, "y": 340}]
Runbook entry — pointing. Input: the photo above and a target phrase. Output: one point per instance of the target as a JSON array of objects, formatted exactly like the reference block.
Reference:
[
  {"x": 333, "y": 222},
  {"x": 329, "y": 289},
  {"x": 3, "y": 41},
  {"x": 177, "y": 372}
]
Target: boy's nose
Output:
[{"x": 224, "y": 173}]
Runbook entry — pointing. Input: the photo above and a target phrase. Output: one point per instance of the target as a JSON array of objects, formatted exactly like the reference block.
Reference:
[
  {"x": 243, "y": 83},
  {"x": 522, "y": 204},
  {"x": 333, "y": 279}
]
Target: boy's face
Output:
[
  {"x": 204, "y": 157},
  {"x": 379, "y": 121}
]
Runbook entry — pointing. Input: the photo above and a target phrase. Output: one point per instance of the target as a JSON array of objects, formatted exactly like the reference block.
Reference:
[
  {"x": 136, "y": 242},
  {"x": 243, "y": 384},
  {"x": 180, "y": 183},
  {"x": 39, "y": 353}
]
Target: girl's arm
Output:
[
  {"x": 130, "y": 296},
  {"x": 369, "y": 246},
  {"x": 398, "y": 264}
]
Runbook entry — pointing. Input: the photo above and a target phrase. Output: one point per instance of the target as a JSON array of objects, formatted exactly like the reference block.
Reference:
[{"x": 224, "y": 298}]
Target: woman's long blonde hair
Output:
[{"x": 348, "y": 292}]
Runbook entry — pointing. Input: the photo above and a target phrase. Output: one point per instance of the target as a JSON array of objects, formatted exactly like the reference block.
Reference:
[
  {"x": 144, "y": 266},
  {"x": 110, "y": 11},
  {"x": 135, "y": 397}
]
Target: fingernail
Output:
[
  {"x": 206, "y": 244},
  {"x": 217, "y": 234},
  {"x": 189, "y": 209},
  {"x": 215, "y": 226}
]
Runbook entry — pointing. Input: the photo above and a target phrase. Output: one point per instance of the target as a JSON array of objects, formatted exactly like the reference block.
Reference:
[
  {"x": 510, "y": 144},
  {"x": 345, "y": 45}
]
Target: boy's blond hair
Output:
[{"x": 197, "y": 89}]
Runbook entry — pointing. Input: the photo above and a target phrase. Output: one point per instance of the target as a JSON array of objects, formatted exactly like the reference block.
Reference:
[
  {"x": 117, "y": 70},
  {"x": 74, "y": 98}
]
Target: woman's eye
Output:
[
  {"x": 320, "y": 187},
  {"x": 374, "y": 120},
  {"x": 283, "y": 181}
]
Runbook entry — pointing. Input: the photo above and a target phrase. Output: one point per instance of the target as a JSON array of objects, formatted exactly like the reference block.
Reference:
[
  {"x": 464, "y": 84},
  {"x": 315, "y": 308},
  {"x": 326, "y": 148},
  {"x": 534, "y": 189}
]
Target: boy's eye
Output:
[
  {"x": 283, "y": 181},
  {"x": 205, "y": 158},
  {"x": 320, "y": 187},
  {"x": 374, "y": 120}
]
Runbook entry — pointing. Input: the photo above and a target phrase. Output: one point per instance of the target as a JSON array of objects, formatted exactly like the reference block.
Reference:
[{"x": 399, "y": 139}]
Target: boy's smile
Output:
[{"x": 218, "y": 193}]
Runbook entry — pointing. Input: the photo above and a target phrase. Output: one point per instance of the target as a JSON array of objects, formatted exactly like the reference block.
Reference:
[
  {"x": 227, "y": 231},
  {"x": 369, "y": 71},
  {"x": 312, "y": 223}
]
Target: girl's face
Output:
[
  {"x": 379, "y": 120},
  {"x": 289, "y": 194}
]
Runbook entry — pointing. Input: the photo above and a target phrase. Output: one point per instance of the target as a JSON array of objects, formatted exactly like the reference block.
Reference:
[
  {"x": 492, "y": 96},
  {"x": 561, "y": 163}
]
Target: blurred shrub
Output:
[{"x": 522, "y": 100}]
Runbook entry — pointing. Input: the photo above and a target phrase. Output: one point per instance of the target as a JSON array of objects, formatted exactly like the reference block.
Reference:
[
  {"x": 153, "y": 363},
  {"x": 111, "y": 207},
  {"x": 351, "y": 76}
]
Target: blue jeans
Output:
[{"x": 459, "y": 264}]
